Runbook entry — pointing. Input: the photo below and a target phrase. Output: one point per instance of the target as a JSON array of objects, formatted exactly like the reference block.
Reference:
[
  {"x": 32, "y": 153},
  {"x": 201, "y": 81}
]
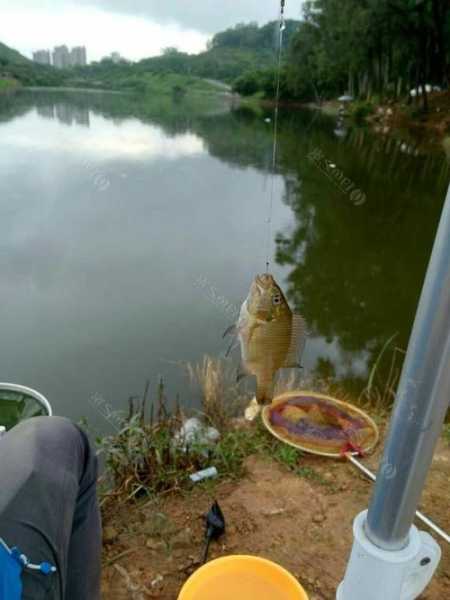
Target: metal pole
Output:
[
  {"x": 422, "y": 401},
  {"x": 419, "y": 514}
]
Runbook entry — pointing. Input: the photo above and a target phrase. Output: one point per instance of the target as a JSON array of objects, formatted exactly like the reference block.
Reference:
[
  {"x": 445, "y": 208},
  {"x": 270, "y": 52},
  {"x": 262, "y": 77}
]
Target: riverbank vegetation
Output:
[
  {"x": 7, "y": 85},
  {"x": 117, "y": 78}
]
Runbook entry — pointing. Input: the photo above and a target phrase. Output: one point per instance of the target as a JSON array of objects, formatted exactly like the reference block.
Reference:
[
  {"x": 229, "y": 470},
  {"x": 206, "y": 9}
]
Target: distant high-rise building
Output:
[
  {"x": 115, "y": 57},
  {"x": 61, "y": 57},
  {"x": 78, "y": 56},
  {"x": 42, "y": 57}
]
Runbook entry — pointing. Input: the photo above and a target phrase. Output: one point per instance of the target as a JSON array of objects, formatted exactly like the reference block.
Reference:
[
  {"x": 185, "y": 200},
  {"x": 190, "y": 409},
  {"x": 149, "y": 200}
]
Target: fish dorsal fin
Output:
[{"x": 297, "y": 344}]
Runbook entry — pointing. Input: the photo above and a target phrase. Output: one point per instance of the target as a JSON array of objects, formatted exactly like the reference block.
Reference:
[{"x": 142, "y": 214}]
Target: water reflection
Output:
[
  {"x": 341, "y": 129},
  {"x": 65, "y": 113},
  {"x": 109, "y": 223},
  {"x": 104, "y": 141},
  {"x": 99, "y": 287},
  {"x": 356, "y": 270}
]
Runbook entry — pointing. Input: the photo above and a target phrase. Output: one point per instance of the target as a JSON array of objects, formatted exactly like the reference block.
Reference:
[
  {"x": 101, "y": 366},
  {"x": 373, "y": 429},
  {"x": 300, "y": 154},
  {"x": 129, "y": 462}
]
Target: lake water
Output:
[{"x": 132, "y": 229}]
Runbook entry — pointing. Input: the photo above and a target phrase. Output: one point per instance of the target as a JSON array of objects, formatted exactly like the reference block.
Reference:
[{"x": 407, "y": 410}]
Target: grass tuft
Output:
[
  {"x": 221, "y": 397},
  {"x": 380, "y": 394}
]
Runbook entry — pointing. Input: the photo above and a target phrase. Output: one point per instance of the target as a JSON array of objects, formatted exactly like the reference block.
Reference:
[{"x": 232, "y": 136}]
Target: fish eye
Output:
[{"x": 276, "y": 300}]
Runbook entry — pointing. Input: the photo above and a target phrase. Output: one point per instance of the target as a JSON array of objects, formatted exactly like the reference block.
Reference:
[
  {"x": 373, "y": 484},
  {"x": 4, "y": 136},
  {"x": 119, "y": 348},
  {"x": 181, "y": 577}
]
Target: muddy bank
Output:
[
  {"x": 405, "y": 121},
  {"x": 430, "y": 127},
  {"x": 301, "y": 520}
]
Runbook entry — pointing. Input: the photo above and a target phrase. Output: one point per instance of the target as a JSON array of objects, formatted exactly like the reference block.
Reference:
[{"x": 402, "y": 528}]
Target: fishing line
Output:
[{"x": 282, "y": 27}]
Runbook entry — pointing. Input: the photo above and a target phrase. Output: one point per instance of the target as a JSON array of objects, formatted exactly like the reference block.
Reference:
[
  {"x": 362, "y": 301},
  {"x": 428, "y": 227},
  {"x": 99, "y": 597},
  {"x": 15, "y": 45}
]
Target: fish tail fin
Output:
[{"x": 264, "y": 392}]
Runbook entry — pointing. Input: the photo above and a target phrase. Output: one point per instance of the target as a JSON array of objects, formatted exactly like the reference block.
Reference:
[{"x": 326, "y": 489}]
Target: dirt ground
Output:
[
  {"x": 304, "y": 523},
  {"x": 427, "y": 130}
]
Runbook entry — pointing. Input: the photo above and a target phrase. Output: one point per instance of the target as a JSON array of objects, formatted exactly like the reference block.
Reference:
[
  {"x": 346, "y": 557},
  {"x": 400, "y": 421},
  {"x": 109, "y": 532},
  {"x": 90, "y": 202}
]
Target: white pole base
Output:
[{"x": 376, "y": 574}]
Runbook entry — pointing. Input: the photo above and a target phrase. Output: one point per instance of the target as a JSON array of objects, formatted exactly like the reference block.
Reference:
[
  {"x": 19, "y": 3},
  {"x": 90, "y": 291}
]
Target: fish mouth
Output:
[{"x": 264, "y": 282}]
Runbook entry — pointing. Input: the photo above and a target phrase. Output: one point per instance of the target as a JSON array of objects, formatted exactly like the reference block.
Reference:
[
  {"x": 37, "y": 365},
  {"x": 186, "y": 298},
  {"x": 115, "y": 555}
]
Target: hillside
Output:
[
  {"x": 9, "y": 59},
  {"x": 10, "y": 56},
  {"x": 14, "y": 66},
  {"x": 230, "y": 54}
]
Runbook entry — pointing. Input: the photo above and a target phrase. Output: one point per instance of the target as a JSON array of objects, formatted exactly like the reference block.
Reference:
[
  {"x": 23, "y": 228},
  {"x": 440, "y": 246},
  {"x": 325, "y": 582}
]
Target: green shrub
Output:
[
  {"x": 361, "y": 110},
  {"x": 247, "y": 84}
]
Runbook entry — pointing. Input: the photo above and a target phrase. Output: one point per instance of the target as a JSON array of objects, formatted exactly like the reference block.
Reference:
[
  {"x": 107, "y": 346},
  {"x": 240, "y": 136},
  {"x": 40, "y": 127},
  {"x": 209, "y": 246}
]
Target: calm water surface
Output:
[{"x": 131, "y": 233}]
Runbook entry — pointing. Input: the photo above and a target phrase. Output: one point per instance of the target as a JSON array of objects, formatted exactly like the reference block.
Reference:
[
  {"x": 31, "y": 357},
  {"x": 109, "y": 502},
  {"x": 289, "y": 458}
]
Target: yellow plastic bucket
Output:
[{"x": 242, "y": 578}]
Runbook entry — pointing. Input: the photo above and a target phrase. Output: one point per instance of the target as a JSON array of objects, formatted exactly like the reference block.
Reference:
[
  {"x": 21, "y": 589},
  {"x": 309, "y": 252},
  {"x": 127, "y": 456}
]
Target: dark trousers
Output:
[{"x": 49, "y": 509}]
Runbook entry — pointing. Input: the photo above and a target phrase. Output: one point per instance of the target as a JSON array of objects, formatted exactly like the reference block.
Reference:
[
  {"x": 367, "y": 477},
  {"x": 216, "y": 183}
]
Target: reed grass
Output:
[
  {"x": 221, "y": 397},
  {"x": 379, "y": 394}
]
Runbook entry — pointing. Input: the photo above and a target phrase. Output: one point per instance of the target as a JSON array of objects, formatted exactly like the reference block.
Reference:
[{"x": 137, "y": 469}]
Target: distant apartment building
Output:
[
  {"x": 78, "y": 56},
  {"x": 42, "y": 57},
  {"x": 115, "y": 57},
  {"x": 61, "y": 57}
]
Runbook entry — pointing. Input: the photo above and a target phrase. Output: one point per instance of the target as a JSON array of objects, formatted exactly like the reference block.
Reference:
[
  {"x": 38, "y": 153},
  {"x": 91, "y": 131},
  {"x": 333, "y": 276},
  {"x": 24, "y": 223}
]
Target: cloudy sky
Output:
[{"x": 135, "y": 28}]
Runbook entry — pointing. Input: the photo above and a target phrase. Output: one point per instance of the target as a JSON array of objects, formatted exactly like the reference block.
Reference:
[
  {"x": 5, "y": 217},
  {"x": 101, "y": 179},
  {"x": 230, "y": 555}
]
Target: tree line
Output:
[{"x": 365, "y": 48}]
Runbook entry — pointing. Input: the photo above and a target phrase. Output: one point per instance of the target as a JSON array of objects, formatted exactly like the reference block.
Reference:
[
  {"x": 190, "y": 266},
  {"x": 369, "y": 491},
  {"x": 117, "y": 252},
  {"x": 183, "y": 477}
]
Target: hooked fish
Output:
[{"x": 270, "y": 335}]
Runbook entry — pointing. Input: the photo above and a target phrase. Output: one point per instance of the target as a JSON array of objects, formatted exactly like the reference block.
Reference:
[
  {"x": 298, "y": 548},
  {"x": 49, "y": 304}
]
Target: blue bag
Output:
[
  {"x": 10, "y": 573},
  {"x": 12, "y": 563}
]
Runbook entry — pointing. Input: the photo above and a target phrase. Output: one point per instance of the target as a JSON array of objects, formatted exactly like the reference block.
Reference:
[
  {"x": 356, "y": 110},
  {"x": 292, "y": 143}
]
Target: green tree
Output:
[{"x": 367, "y": 47}]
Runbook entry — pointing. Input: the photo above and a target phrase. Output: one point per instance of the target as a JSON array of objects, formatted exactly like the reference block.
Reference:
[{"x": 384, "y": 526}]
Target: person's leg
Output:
[
  {"x": 48, "y": 507},
  {"x": 84, "y": 560}
]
